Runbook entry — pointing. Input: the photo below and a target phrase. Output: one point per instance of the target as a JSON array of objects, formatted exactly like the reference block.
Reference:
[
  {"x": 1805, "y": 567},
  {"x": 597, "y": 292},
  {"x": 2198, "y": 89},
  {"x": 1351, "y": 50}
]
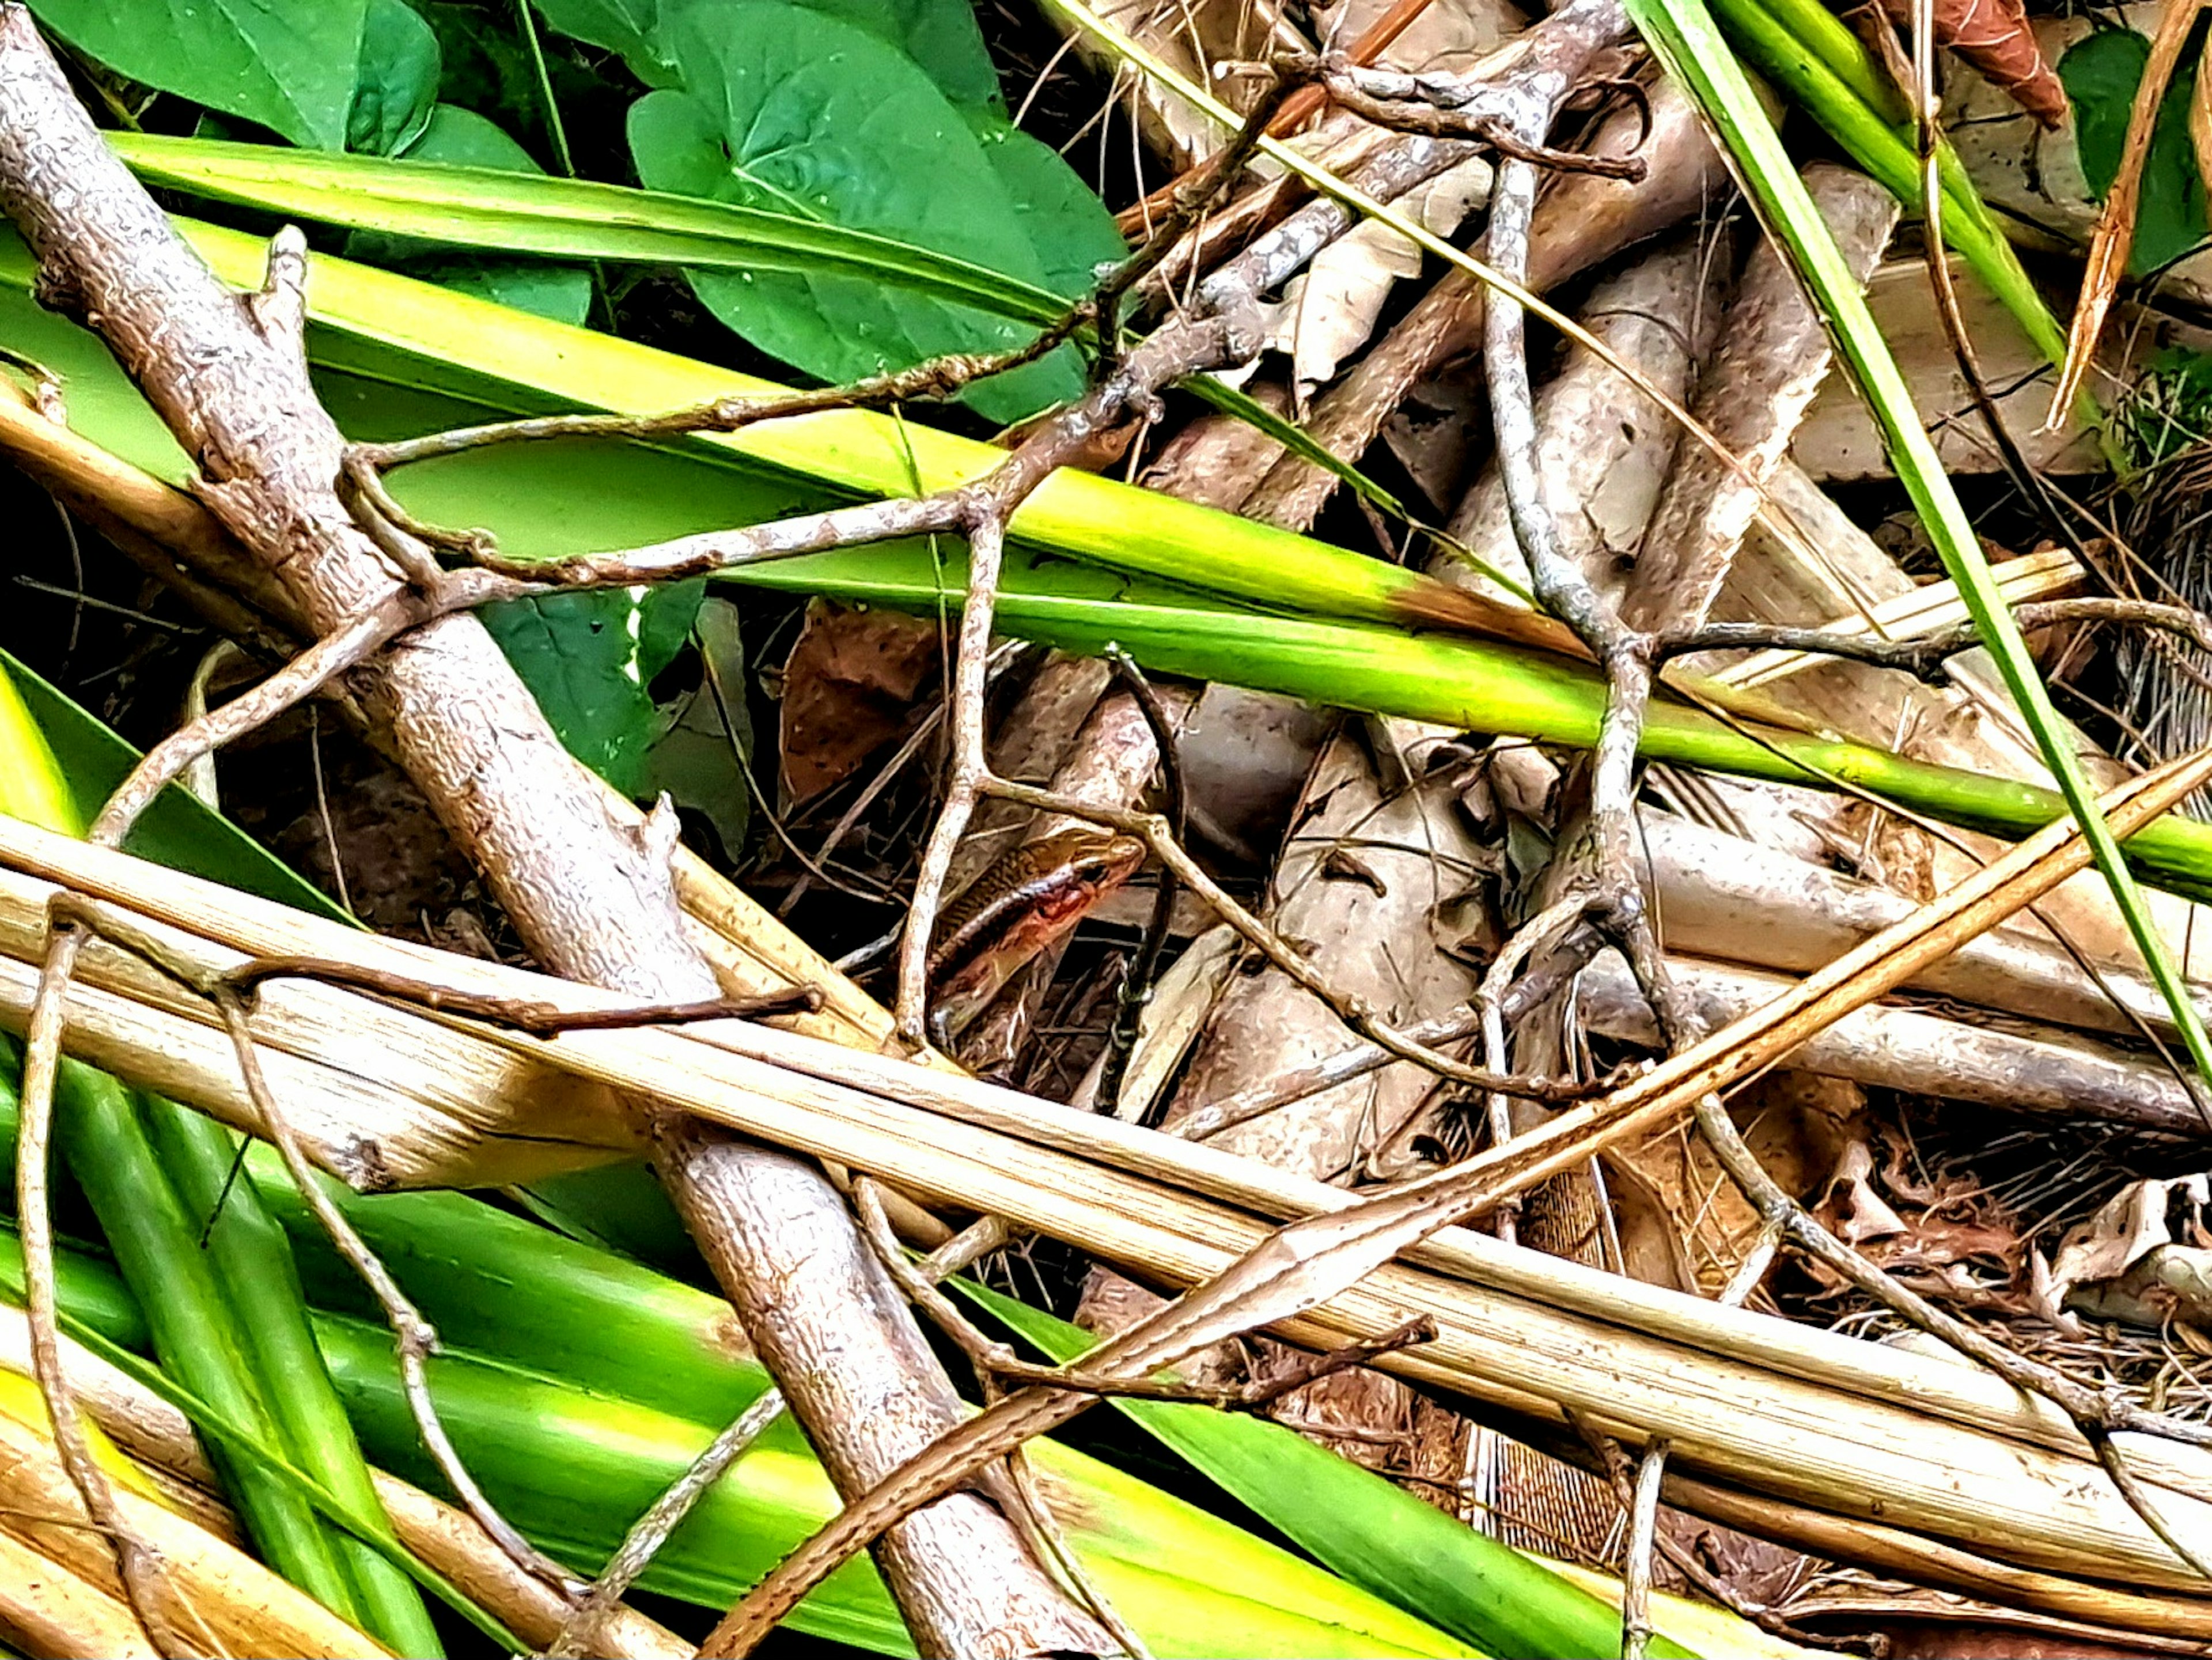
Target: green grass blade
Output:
[
  {"x": 1472, "y": 684},
  {"x": 496, "y": 211},
  {"x": 1807, "y": 51},
  {"x": 1687, "y": 40},
  {"x": 253, "y": 1260},
  {"x": 398, "y": 356},
  {"x": 571, "y": 1467},
  {"x": 178, "y": 831},
  {"x": 97, "y": 1310},
  {"x": 571, "y": 1458},
  {"x": 196, "y": 1331}
]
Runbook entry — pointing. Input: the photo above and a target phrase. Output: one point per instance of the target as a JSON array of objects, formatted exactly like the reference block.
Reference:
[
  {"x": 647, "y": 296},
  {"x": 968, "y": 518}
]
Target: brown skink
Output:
[{"x": 1021, "y": 903}]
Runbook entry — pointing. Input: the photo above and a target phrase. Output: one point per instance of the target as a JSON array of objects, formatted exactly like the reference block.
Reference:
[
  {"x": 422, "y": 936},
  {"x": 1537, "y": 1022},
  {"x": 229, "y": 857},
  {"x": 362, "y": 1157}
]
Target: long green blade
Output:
[
  {"x": 1687, "y": 40},
  {"x": 488, "y": 209},
  {"x": 396, "y": 357}
]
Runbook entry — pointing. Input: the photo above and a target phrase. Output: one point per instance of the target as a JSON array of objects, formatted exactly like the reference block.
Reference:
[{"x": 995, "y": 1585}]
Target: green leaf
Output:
[
  {"x": 941, "y": 37},
  {"x": 629, "y": 27},
  {"x": 1074, "y": 236},
  {"x": 289, "y": 64},
  {"x": 2101, "y": 73},
  {"x": 1684, "y": 36},
  {"x": 396, "y": 85},
  {"x": 789, "y": 110},
  {"x": 179, "y": 830},
  {"x": 461, "y": 138},
  {"x": 590, "y": 659},
  {"x": 571, "y": 218},
  {"x": 699, "y": 759}
]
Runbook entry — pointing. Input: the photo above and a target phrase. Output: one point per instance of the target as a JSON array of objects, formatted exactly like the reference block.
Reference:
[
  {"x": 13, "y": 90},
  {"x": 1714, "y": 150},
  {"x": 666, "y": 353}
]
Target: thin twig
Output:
[
  {"x": 1354, "y": 1011},
  {"x": 1420, "y": 105},
  {"x": 1137, "y": 981},
  {"x": 145, "y": 1585},
  {"x": 991, "y": 1434},
  {"x": 1635, "y": 1564},
  {"x": 539, "y": 1018},
  {"x": 579, "y": 1632},
  {"x": 1011, "y": 1483},
  {"x": 969, "y": 763},
  {"x": 1924, "y": 655},
  {"x": 413, "y": 1339}
]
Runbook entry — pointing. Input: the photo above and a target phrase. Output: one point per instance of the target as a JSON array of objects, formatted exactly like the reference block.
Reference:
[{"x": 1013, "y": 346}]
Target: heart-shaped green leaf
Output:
[
  {"x": 289, "y": 64},
  {"x": 786, "y": 109},
  {"x": 397, "y": 87}
]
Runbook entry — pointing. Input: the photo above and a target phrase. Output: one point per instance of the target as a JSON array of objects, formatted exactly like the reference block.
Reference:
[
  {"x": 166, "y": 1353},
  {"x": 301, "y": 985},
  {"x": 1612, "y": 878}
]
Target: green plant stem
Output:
[
  {"x": 1805, "y": 50},
  {"x": 196, "y": 1332},
  {"x": 252, "y": 1257},
  {"x": 528, "y": 22}
]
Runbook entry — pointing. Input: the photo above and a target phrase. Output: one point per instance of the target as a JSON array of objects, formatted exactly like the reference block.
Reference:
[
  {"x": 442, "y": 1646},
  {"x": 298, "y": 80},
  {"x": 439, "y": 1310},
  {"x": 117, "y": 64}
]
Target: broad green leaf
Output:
[
  {"x": 397, "y": 86},
  {"x": 461, "y": 138},
  {"x": 2101, "y": 73},
  {"x": 1684, "y": 36},
  {"x": 1371, "y": 1530},
  {"x": 289, "y": 64},
  {"x": 1074, "y": 236},
  {"x": 502, "y": 211},
  {"x": 589, "y": 659},
  {"x": 789, "y": 110},
  {"x": 941, "y": 37}
]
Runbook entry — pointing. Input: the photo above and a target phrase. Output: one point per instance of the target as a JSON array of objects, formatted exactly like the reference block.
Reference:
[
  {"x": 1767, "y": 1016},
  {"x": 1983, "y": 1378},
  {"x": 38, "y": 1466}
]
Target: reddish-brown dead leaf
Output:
[
  {"x": 1993, "y": 35},
  {"x": 849, "y": 687}
]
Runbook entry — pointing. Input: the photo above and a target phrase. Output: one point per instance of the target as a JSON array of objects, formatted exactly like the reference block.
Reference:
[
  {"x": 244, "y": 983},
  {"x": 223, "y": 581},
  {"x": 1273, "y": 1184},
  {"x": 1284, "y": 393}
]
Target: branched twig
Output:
[
  {"x": 1356, "y": 1013},
  {"x": 1096, "y": 315},
  {"x": 1436, "y": 106},
  {"x": 1924, "y": 656},
  {"x": 1010, "y": 1483},
  {"x": 1616, "y": 902},
  {"x": 145, "y": 1587}
]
